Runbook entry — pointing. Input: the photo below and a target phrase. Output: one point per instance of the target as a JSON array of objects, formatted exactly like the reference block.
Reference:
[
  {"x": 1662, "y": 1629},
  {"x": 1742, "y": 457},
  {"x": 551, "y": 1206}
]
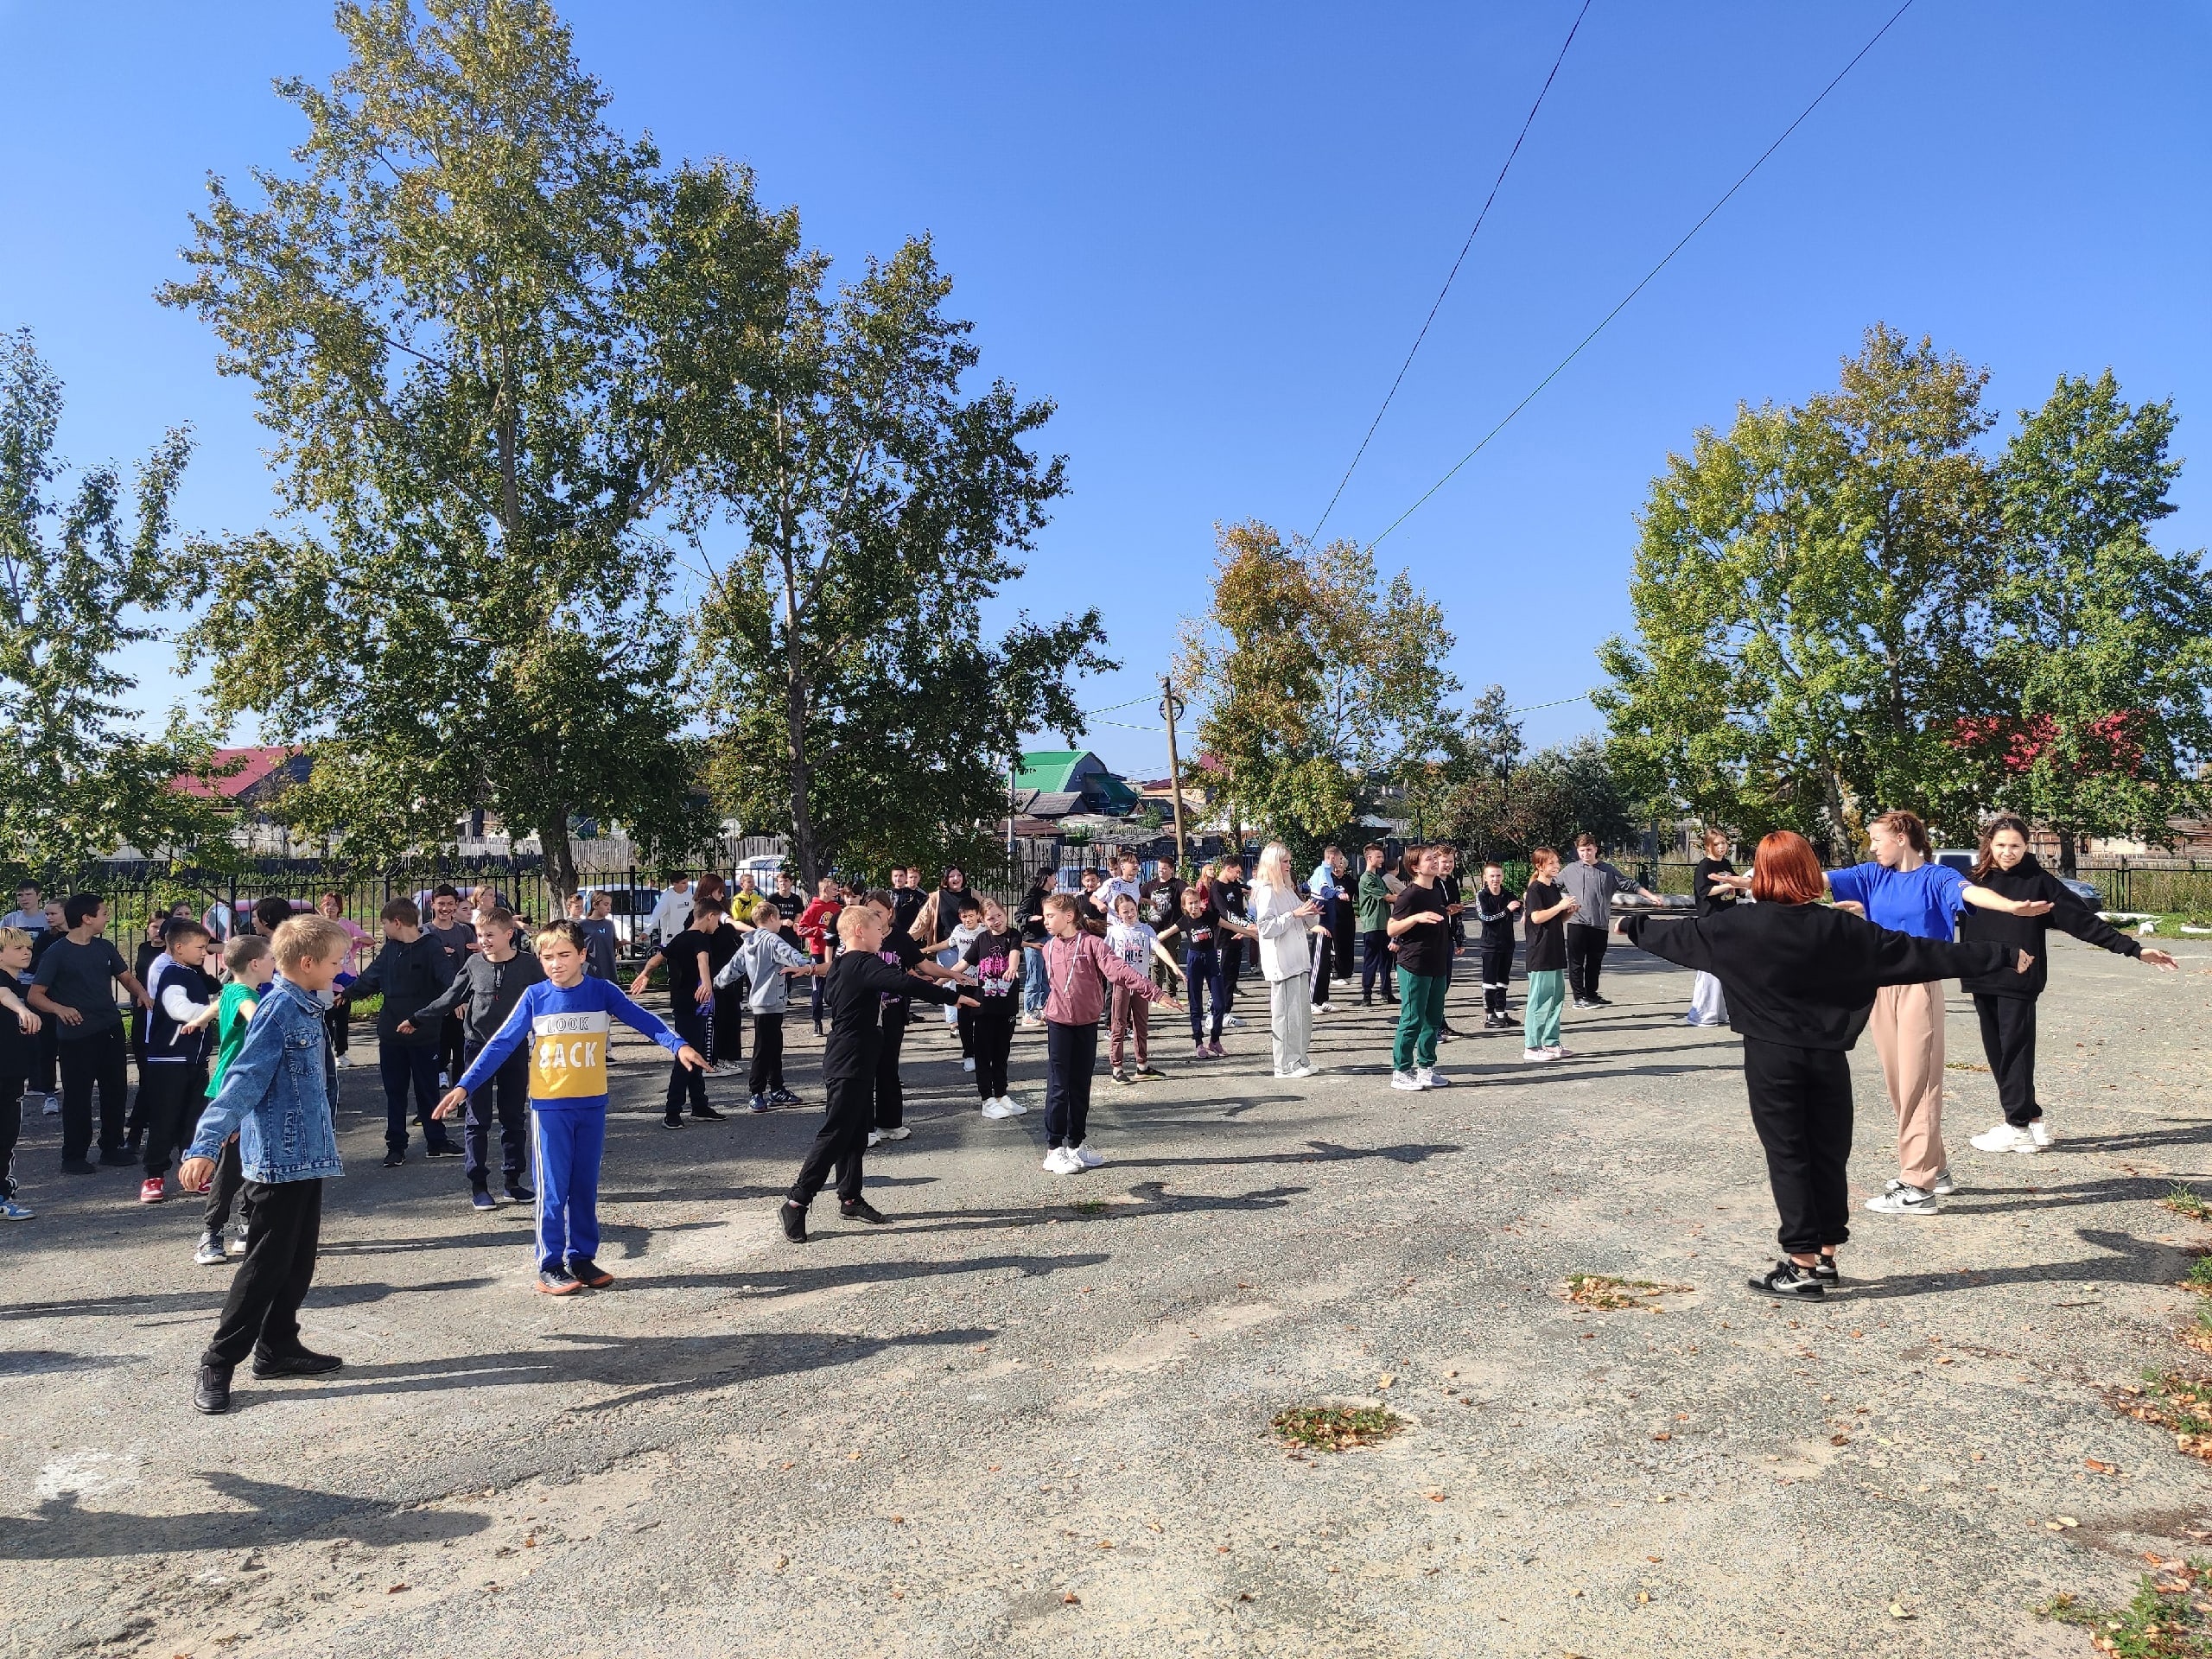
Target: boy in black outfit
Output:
[
  {"x": 855, "y": 990},
  {"x": 485, "y": 992},
  {"x": 689, "y": 957},
  {"x": 410, "y": 971},
  {"x": 173, "y": 1076}
]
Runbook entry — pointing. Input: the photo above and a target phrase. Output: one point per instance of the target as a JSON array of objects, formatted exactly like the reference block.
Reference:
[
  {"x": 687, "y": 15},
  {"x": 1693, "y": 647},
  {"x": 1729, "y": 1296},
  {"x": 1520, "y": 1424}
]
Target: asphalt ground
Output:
[{"x": 1031, "y": 1415}]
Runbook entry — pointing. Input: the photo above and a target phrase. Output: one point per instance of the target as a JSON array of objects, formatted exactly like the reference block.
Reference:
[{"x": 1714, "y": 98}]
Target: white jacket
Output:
[
  {"x": 1284, "y": 951},
  {"x": 671, "y": 915}
]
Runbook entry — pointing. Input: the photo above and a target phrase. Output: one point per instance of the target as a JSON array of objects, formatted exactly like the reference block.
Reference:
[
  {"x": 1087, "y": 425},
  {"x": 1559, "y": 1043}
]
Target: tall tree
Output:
[
  {"x": 82, "y": 577},
  {"x": 457, "y": 325},
  {"x": 1808, "y": 598},
  {"x": 1322, "y": 684},
  {"x": 849, "y": 687},
  {"x": 1503, "y": 811},
  {"x": 2101, "y": 642}
]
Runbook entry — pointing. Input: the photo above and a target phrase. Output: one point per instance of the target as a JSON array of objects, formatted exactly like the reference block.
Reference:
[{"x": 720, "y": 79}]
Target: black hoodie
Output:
[
  {"x": 1805, "y": 975},
  {"x": 2029, "y": 879}
]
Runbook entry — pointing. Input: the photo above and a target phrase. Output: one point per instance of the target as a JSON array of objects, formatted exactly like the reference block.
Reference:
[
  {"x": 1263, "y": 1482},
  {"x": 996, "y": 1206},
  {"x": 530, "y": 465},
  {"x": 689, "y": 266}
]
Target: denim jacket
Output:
[{"x": 276, "y": 1094}]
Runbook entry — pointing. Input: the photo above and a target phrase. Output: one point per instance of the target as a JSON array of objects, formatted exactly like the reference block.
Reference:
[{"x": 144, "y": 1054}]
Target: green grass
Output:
[
  {"x": 1335, "y": 1429},
  {"x": 2161, "y": 1622},
  {"x": 2184, "y": 1200},
  {"x": 2199, "y": 1276},
  {"x": 2181, "y": 1404}
]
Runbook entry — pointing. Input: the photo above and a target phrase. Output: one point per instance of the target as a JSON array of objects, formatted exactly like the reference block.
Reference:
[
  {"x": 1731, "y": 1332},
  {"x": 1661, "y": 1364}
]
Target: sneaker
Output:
[
  {"x": 1597, "y": 1002},
  {"x": 210, "y": 1253},
  {"x": 875, "y": 1137},
  {"x": 901, "y": 1133},
  {"x": 706, "y": 1113},
  {"x": 784, "y": 1097},
  {"x": 2006, "y": 1138},
  {"x": 1825, "y": 1271},
  {"x": 968, "y": 1062},
  {"x": 1229, "y": 1021},
  {"x": 1120, "y": 1076},
  {"x": 756, "y": 1104},
  {"x": 1581, "y": 1002},
  {"x": 53, "y": 1107},
  {"x": 78, "y": 1166},
  {"x": 153, "y": 1190},
  {"x": 393, "y": 1160},
  {"x": 235, "y": 1245},
  {"x": 212, "y": 1393},
  {"x": 1305, "y": 1068},
  {"x": 1787, "y": 1280},
  {"x": 1536, "y": 1056},
  {"x": 673, "y": 1121},
  {"x": 1945, "y": 1185},
  {"x": 1903, "y": 1200},
  {"x": 1149, "y": 1072},
  {"x": 556, "y": 1281},
  {"x": 861, "y": 1209},
  {"x": 10, "y": 1210},
  {"x": 712, "y": 1072},
  {"x": 1031, "y": 1021},
  {"x": 1432, "y": 1078},
  {"x": 304, "y": 1363},
  {"x": 1558, "y": 1053},
  {"x": 483, "y": 1199},
  {"x": 519, "y": 1193},
  {"x": 1406, "y": 1080},
  {"x": 794, "y": 1220},
  {"x": 997, "y": 1109},
  {"x": 1014, "y": 1107},
  {"x": 585, "y": 1271},
  {"x": 1199, "y": 1051},
  {"x": 443, "y": 1149},
  {"x": 1085, "y": 1158},
  {"x": 343, "y": 1061},
  {"x": 1324, "y": 1007},
  {"x": 2041, "y": 1132},
  {"x": 1061, "y": 1162}
]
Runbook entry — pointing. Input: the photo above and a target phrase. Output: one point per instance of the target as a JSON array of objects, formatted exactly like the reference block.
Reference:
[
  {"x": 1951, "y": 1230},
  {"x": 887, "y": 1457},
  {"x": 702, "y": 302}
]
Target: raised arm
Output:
[
  {"x": 1986, "y": 898},
  {"x": 1679, "y": 940}
]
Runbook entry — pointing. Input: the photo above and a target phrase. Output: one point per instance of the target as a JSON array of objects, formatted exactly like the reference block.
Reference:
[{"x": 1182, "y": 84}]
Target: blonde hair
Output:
[
  {"x": 1273, "y": 868},
  {"x": 310, "y": 939},
  {"x": 852, "y": 918},
  {"x": 12, "y": 937}
]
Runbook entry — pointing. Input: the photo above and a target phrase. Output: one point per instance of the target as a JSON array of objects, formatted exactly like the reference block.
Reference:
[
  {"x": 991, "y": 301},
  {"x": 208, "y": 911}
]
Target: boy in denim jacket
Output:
[{"x": 276, "y": 1094}]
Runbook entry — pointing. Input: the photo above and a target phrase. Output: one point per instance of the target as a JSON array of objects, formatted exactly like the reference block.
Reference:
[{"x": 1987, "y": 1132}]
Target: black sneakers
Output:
[
  {"x": 706, "y": 1113},
  {"x": 794, "y": 1222},
  {"x": 212, "y": 1396},
  {"x": 520, "y": 1193},
  {"x": 482, "y": 1198},
  {"x": 585, "y": 1271},
  {"x": 445, "y": 1149},
  {"x": 1825, "y": 1271},
  {"x": 394, "y": 1159},
  {"x": 302, "y": 1363},
  {"x": 1786, "y": 1279},
  {"x": 861, "y": 1209},
  {"x": 673, "y": 1121}
]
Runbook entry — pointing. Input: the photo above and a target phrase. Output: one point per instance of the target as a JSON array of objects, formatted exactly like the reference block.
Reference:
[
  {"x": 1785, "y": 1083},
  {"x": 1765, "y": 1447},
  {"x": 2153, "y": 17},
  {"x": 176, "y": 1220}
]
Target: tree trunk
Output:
[
  {"x": 2069, "y": 850},
  {"x": 560, "y": 862}
]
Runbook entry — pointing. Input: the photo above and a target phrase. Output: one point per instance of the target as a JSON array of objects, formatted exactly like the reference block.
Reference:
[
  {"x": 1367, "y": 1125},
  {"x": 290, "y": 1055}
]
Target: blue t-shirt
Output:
[
  {"x": 1922, "y": 902},
  {"x": 567, "y": 1028}
]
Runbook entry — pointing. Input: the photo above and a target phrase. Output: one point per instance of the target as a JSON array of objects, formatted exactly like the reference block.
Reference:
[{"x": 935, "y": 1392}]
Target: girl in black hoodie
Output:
[
  {"x": 1800, "y": 978},
  {"x": 2007, "y": 1002}
]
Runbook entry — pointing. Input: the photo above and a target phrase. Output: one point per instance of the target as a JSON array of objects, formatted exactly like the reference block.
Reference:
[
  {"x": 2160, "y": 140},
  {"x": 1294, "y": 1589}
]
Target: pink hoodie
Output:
[{"x": 1077, "y": 993}]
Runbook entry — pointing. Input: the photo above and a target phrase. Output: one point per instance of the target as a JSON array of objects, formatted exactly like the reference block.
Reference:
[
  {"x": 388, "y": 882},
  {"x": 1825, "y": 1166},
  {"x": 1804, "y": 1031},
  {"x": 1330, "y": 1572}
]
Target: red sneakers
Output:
[{"x": 152, "y": 1189}]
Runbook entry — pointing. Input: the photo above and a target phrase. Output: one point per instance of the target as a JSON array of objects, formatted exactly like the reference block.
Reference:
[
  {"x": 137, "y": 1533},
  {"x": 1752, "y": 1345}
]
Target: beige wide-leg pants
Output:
[{"x": 1907, "y": 1027}]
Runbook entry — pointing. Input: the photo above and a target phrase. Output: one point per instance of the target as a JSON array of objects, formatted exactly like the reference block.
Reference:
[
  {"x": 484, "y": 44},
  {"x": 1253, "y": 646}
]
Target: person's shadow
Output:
[{"x": 61, "y": 1530}]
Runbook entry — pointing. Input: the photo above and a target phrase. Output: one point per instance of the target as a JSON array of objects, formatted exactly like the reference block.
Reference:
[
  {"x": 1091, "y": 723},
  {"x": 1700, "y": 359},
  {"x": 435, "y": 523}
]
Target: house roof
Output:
[
  {"x": 1053, "y": 770},
  {"x": 257, "y": 766}
]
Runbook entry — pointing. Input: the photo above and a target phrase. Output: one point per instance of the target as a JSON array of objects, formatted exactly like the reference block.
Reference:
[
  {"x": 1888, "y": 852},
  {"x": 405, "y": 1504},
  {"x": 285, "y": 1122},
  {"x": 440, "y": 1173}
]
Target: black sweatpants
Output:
[
  {"x": 226, "y": 1190},
  {"x": 338, "y": 1025},
  {"x": 1232, "y": 968},
  {"x": 1585, "y": 955},
  {"x": 403, "y": 1067},
  {"x": 993, "y": 1026},
  {"x": 11, "y": 1129},
  {"x": 890, "y": 1093},
  {"x": 1377, "y": 963},
  {"x": 1498, "y": 968},
  {"x": 1800, "y": 1106},
  {"x": 690, "y": 1023},
  {"x": 506, "y": 1100},
  {"x": 729, "y": 1031},
  {"x": 263, "y": 1312},
  {"x": 1323, "y": 950},
  {"x": 841, "y": 1142},
  {"x": 767, "y": 1074},
  {"x": 99, "y": 1061},
  {"x": 49, "y": 1047},
  {"x": 453, "y": 1040},
  {"x": 1072, "y": 1055},
  {"x": 170, "y": 1095},
  {"x": 2008, "y": 1037}
]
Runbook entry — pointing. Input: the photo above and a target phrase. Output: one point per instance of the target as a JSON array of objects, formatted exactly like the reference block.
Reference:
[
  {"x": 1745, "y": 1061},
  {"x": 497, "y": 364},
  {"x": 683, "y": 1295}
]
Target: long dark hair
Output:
[{"x": 1984, "y": 860}]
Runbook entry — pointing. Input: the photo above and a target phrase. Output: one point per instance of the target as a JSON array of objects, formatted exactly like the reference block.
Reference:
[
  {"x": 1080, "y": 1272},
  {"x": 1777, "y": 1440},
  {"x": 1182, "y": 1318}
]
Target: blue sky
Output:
[{"x": 1210, "y": 233}]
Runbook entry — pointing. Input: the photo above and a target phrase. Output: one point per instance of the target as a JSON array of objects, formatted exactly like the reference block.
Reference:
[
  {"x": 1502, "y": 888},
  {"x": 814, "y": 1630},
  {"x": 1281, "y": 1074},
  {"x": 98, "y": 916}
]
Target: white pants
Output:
[
  {"x": 1290, "y": 1018},
  {"x": 1708, "y": 1005}
]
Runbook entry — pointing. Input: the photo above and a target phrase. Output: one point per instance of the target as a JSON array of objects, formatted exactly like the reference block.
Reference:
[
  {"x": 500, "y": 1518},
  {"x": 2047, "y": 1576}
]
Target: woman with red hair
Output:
[{"x": 1800, "y": 977}]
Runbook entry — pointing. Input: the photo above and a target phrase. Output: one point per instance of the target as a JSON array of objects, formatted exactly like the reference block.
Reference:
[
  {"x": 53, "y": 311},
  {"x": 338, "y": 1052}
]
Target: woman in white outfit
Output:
[{"x": 1284, "y": 923}]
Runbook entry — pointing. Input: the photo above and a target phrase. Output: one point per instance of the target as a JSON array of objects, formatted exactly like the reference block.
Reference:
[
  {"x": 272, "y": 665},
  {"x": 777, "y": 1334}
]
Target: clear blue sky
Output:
[{"x": 1210, "y": 233}]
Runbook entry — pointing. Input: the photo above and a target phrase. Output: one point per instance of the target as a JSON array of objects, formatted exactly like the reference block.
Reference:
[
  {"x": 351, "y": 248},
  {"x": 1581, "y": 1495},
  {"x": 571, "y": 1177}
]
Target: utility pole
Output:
[{"x": 1170, "y": 708}]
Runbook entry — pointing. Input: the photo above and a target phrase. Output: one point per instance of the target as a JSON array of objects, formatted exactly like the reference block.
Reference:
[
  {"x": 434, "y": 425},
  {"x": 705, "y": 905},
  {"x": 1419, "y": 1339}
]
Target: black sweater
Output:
[
  {"x": 855, "y": 990},
  {"x": 1804, "y": 974},
  {"x": 408, "y": 975},
  {"x": 487, "y": 992},
  {"x": 2029, "y": 879}
]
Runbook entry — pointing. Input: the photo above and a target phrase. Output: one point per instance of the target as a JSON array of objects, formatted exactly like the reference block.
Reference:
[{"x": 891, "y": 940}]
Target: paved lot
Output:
[{"x": 1030, "y": 1417}]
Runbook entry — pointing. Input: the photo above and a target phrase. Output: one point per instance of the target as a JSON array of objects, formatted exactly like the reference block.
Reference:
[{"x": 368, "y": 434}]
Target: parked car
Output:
[
  {"x": 630, "y": 909},
  {"x": 1961, "y": 860}
]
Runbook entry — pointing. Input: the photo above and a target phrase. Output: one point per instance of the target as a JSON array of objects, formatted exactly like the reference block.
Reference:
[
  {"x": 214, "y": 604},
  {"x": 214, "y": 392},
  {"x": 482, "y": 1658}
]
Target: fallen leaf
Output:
[
  {"x": 1243, "y": 1595},
  {"x": 1898, "y": 1609},
  {"x": 898, "y": 1520},
  {"x": 852, "y": 1457},
  {"x": 1839, "y": 1439},
  {"x": 393, "y": 1589},
  {"x": 1070, "y": 1599},
  {"x": 2096, "y": 1468},
  {"x": 1436, "y": 1497},
  {"x": 1663, "y": 1435},
  {"x": 1105, "y": 1543},
  {"x": 1385, "y": 1380}
]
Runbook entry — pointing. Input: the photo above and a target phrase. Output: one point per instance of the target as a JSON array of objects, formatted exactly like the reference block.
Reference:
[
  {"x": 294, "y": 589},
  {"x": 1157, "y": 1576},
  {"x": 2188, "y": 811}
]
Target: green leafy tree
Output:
[
  {"x": 1322, "y": 685},
  {"x": 85, "y": 574},
  {"x": 457, "y": 323},
  {"x": 849, "y": 687},
  {"x": 1809, "y": 598},
  {"x": 1547, "y": 799},
  {"x": 2102, "y": 643}
]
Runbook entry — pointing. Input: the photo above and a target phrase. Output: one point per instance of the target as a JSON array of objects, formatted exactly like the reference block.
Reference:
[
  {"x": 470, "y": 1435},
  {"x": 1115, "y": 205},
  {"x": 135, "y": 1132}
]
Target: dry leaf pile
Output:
[
  {"x": 1603, "y": 1291},
  {"x": 1335, "y": 1429}
]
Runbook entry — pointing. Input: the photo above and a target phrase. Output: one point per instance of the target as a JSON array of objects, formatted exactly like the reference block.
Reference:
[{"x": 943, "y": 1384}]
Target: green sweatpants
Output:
[
  {"x": 1539, "y": 1024},
  {"x": 1421, "y": 1016}
]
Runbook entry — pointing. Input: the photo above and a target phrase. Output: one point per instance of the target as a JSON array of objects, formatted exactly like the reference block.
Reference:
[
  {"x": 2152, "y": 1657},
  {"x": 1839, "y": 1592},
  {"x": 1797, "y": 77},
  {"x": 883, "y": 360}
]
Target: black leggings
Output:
[
  {"x": 992, "y": 1029},
  {"x": 767, "y": 1053},
  {"x": 1800, "y": 1106},
  {"x": 1376, "y": 963},
  {"x": 690, "y": 1023},
  {"x": 1585, "y": 955},
  {"x": 11, "y": 1129},
  {"x": 2008, "y": 1037}
]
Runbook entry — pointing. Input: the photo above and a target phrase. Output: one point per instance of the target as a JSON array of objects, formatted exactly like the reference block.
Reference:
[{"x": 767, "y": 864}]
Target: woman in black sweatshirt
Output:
[
  {"x": 1800, "y": 978},
  {"x": 2007, "y": 1002}
]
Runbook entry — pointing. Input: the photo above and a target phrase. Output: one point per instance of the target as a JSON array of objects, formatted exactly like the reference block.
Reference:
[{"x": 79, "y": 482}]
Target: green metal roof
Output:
[{"x": 1049, "y": 770}]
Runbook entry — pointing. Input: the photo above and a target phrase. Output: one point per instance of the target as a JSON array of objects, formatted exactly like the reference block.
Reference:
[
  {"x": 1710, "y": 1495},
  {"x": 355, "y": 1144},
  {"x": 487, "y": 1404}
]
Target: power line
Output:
[
  {"x": 1529, "y": 122},
  {"x": 1648, "y": 276}
]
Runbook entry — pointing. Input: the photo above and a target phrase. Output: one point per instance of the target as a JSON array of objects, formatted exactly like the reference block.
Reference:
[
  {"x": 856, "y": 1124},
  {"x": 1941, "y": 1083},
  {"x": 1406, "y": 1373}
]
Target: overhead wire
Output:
[
  {"x": 1527, "y": 122},
  {"x": 1726, "y": 196}
]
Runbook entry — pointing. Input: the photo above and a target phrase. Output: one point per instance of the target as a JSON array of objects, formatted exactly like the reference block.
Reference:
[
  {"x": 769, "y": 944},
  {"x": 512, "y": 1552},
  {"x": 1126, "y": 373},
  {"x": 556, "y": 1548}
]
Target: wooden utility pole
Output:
[{"x": 1168, "y": 708}]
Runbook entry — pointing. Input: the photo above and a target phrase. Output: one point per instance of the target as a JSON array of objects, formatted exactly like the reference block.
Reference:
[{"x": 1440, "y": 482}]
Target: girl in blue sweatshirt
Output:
[{"x": 568, "y": 1020}]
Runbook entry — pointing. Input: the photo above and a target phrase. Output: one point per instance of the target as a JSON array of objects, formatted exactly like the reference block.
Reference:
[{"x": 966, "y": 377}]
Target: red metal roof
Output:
[{"x": 254, "y": 766}]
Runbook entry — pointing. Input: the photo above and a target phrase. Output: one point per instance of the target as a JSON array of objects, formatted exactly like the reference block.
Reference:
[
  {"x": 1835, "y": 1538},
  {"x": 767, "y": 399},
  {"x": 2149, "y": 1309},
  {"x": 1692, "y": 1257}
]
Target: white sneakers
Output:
[
  {"x": 1070, "y": 1161},
  {"x": 1229, "y": 1021},
  {"x": 1086, "y": 1157},
  {"x": 874, "y": 1136},
  {"x": 1409, "y": 1081},
  {"x": 1903, "y": 1200},
  {"x": 1002, "y": 1107},
  {"x": 1308, "y": 1070},
  {"x": 968, "y": 1064},
  {"x": 1324, "y": 1007},
  {"x": 1538, "y": 1056},
  {"x": 1427, "y": 1078},
  {"x": 53, "y": 1107},
  {"x": 2006, "y": 1138},
  {"x": 899, "y": 1134}
]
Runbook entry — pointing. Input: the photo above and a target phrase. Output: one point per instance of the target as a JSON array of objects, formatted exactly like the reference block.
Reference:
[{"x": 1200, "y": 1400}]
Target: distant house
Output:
[
  {"x": 250, "y": 779},
  {"x": 1054, "y": 784}
]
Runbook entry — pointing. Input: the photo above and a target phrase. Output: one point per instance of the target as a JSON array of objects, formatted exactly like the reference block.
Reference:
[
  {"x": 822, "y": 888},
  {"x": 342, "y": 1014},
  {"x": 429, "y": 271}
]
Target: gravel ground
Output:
[{"x": 1031, "y": 1415}]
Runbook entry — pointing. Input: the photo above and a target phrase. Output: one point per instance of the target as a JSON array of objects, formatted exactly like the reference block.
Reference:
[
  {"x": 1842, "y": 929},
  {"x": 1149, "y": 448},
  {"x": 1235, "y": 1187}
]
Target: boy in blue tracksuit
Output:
[{"x": 567, "y": 1019}]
